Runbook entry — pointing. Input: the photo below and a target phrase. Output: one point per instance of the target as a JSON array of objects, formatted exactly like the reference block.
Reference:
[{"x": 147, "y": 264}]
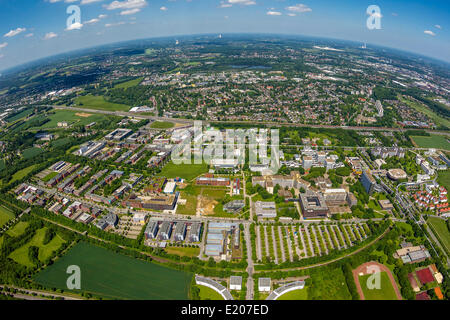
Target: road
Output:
[
  {"x": 27, "y": 294},
  {"x": 250, "y": 267}
]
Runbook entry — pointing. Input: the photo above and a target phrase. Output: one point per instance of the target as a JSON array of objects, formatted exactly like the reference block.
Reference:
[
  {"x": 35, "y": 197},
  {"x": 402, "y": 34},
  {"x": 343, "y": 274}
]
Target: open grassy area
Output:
[
  {"x": 18, "y": 229},
  {"x": 440, "y": 229},
  {"x": 20, "y": 255},
  {"x": 99, "y": 103},
  {"x": 162, "y": 125},
  {"x": 184, "y": 252},
  {"x": 301, "y": 294},
  {"x": 185, "y": 171},
  {"x": 72, "y": 118},
  {"x": 386, "y": 291},
  {"x": 424, "y": 109},
  {"x": 5, "y": 215},
  {"x": 116, "y": 276},
  {"x": 2, "y": 164},
  {"x": 208, "y": 294},
  {"x": 22, "y": 114},
  {"x": 191, "y": 204},
  {"x": 433, "y": 141},
  {"x": 444, "y": 179},
  {"x": 31, "y": 152},
  {"x": 128, "y": 84},
  {"x": 22, "y": 173},
  {"x": 50, "y": 176}
]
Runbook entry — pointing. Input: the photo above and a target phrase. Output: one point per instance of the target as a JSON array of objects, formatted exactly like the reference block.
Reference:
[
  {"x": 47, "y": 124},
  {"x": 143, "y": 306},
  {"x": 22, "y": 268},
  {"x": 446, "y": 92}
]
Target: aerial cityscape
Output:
[{"x": 223, "y": 166}]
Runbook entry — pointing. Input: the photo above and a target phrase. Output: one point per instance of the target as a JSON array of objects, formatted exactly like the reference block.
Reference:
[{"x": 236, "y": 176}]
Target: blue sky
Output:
[{"x": 33, "y": 29}]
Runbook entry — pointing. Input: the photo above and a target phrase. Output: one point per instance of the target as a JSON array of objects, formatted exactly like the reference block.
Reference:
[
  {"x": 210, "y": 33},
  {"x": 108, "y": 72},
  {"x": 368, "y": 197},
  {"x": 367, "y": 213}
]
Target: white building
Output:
[
  {"x": 264, "y": 284},
  {"x": 236, "y": 283}
]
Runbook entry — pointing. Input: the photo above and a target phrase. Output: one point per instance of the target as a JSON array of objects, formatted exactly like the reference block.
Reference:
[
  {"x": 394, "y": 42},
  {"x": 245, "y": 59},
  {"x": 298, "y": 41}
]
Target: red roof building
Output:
[
  {"x": 425, "y": 276},
  {"x": 422, "y": 296}
]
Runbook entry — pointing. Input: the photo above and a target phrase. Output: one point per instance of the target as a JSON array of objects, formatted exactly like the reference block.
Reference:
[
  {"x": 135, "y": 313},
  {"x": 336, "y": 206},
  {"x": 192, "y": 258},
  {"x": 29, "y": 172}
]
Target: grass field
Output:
[
  {"x": 5, "y": 215},
  {"x": 208, "y": 293},
  {"x": 22, "y": 173},
  {"x": 433, "y": 141},
  {"x": 18, "y": 229},
  {"x": 301, "y": 294},
  {"x": 191, "y": 204},
  {"x": 2, "y": 164},
  {"x": 116, "y": 276},
  {"x": 444, "y": 179},
  {"x": 386, "y": 291},
  {"x": 128, "y": 84},
  {"x": 20, "y": 115},
  {"x": 422, "y": 108},
  {"x": 184, "y": 252},
  {"x": 185, "y": 171},
  {"x": 31, "y": 152},
  {"x": 439, "y": 227},
  {"x": 20, "y": 255},
  {"x": 162, "y": 125},
  {"x": 99, "y": 103},
  {"x": 71, "y": 118}
]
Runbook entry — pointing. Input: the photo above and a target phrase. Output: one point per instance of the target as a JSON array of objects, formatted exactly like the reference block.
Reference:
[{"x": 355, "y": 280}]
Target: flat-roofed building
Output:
[
  {"x": 236, "y": 283},
  {"x": 195, "y": 232},
  {"x": 151, "y": 230},
  {"x": 264, "y": 284},
  {"x": 313, "y": 205},
  {"x": 165, "y": 230},
  {"x": 265, "y": 209},
  {"x": 335, "y": 197},
  {"x": 180, "y": 231},
  {"x": 213, "y": 250}
]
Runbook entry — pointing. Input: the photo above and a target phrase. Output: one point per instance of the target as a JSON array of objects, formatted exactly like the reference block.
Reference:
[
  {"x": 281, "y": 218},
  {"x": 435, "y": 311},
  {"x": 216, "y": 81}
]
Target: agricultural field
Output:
[
  {"x": 117, "y": 276},
  {"x": 433, "y": 141},
  {"x": 386, "y": 291},
  {"x": 444, "y": 179},
  {"x": 128, "y": 84},
  {"x": 20, "y": 115},
  {"x": 162, "y": 125},
  {"x": 99, "y": 103},
  {"x": 301, "y": 294},
  {"x": 440, "y": 228},
  {"x": 5, "y": 215},
  {"x": 18, "y": 229},
  {"x": 208, "y": 293},
  {"x": 20, "y": 255},
  {"x": 72, "y": 118},
  {"x": 184, "y": 171}
]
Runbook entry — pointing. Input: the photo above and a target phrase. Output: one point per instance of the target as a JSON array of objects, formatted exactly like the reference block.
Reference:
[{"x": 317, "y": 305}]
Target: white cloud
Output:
[
  {"x": 126, "y": 4},
  {"x": 299, "y": 8},
  {"x": 438, "y": 26},
  {"x": 29, "y": 35},
  {"x": 130, "y": 11},
  {"x": 163, "y": 8},
  {"x": 89, "y": 1},
  {"x": 3, "y": 45},
  {"x": 230, "y": 3},
  {"x": 95, "y": 20},
  {"x": 108, "y": 25},
  {"x": 102, "y": 16},
  {"x": 75, "y": 26},
  {"x": 291, "y": 14},
  {"x": 50, "y": 35},
  {"x": 273, "y": 13},
  {"x": 15, "y": 32},
  {"x": 429, "y": 32}
]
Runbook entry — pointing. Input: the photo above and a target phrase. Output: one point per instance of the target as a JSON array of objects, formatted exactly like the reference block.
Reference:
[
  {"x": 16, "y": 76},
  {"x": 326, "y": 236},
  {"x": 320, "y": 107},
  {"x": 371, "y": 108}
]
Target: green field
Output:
[
  {"x": 20, "y": 115},
  {"x": 191, "y": 204},
  {"x": 208, "y": 293},
  {"x": 31, "y": 152},
  {"x": 386, "y": 291},
  {"x": 2, "y": 164},
  {"x": 18, "y": 229},
  {"x": 162, "y": 125},
  {"x": 439, "y": 227},
  {"x": 185, "y": 171},
  {"x": 22, "y": 173},
  {"x": 99, "y": 103},
  {"x": 184, "y": 252},
  {"x": 20, "y": 255},
  {"x": 71, "y": 118},
  {"x": 433, "y": 141},
  {"x": 444, "y": 179},
  {"x": 5, "y": 215},
  {"x": 128, "y": 84},
  {"x": 116, "y": 276},
  {"x": 424, "y": 109},
  {"x": 301, "y": 294}
]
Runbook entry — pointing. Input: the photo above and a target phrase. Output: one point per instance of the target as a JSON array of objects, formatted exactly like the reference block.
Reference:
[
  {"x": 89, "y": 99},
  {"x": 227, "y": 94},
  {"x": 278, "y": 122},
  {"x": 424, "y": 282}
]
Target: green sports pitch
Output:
[
  {"x": 386, "y": 291},
  {"x": 116, "y": 276}
]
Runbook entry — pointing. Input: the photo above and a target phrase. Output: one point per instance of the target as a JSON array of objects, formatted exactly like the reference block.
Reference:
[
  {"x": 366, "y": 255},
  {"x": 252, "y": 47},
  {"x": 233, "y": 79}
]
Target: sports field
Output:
[
  {"x": 116, "y": 276},
  {"x": 208, "y": 293},
  {"x": 184, "y": 171},
  {"x": 162, "y": 125},
  {"x": 20, "y": 255},
  {"x": 5, "y": 215},
  {"x": 386, "y": 291},
  {"x": 433, "y": 141},
  {"x": 439, "y": 227},
  {"x": 301, "y": 294},
  {"x": 72, "y": 118},
  {"x": 99, "y": 103}
]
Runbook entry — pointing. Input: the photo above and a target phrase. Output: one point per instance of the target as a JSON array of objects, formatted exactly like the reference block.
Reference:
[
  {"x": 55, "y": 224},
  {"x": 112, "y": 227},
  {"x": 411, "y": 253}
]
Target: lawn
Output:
[
  {"x": 208, "y": 293},
  {"x": 31, "y": 152},
  {"x": 22, "y": 173},
  {"x": 116, "y": 276},
  {"x": 433, "y": 141},
  {"x": 439, "y": 227},
  {"x": 128, "y": 84},
  {"x": 386, "y": 291},
  {"x": 2, "y": 164},
  {"x": 18, "y": 229},
  {"x": 185, "y": 171},
  {"x": 5, "y": 215},
  {"x": 444, "y": 179},
  {"x": 191, "y": 204},
  {"x": 184, "y": 252},
  {"x": 99, "y": 103},
  {"x": 50, "y": 176},
  {"x": 72, "y": 118},
  {"x": 162, "y": 125},
  {"x": 20, "y": 115},
  {"x": 301, "y": 294},
  {"x": 20, "y": 255}
]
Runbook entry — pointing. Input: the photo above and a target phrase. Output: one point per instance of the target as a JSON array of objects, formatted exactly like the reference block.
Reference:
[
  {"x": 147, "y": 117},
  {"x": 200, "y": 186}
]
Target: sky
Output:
[{"x": 34, "y": 29}]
